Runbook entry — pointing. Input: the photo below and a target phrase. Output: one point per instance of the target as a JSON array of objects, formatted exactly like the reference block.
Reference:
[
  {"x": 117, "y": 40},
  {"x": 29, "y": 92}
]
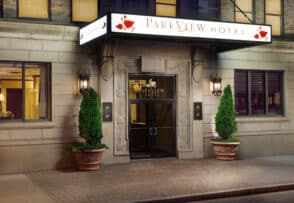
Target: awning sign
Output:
[
  {"x": 174, "y": 27},
  {"x": 94, "y": 30}
]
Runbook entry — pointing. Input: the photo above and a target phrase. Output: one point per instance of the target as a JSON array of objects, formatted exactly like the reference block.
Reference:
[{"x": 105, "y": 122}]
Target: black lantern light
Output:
[
  {"x": 84, "y": 82},
  {"x": 216, "y": 85}
]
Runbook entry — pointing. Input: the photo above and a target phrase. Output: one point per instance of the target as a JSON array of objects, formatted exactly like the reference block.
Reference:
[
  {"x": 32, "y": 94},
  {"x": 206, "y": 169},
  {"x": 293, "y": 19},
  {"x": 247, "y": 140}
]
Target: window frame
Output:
[
  {"x": 31, "y": 18},
  {"x": 281, "y": 21},
  {"x": 83, "y": 22},
  {"x": 266, "y": 91},
  {"x": 49, "y": 91},
  {"x": 253, "y": 13}
]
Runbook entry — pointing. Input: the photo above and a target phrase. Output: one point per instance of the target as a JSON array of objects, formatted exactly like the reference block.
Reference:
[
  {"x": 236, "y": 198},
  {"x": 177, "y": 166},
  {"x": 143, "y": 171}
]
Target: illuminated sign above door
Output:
[{"x": 182, "y": 28}]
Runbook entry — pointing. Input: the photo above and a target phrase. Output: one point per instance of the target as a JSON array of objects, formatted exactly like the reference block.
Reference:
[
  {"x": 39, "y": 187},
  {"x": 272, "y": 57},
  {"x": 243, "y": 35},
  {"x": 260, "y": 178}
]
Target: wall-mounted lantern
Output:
[
  {"x": 84, "y": 82},
  {"x": 216, "y": 85}
]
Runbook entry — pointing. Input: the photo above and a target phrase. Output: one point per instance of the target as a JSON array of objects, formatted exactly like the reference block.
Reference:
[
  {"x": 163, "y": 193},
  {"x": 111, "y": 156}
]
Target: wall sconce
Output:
[
  {"x": 216, "y": 85},
  {"x": 84, "y": 82}
]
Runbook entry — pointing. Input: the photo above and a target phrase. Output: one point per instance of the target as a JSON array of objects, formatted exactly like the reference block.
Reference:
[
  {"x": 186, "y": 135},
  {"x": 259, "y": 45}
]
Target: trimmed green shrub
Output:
[
  {"x": 90, "y": 121},
  {"x": 225, "y": 119}
]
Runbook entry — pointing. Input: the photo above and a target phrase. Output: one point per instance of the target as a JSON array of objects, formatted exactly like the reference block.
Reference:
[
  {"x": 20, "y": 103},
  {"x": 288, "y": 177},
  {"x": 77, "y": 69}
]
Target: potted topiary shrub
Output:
[
  {"x": 225, "y": 146},
  {"x": 89, "y": 153}
]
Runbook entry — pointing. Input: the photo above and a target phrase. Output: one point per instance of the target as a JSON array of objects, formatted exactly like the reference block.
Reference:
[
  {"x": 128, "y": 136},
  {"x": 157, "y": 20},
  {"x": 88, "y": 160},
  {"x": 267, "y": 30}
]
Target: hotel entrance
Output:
[{"x": 152, "y": 124}]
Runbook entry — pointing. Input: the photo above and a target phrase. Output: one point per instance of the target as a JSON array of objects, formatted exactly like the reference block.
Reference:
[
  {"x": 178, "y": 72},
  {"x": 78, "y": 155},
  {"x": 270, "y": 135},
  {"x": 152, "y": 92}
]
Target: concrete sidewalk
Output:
[{"x": 143, "y": 180}]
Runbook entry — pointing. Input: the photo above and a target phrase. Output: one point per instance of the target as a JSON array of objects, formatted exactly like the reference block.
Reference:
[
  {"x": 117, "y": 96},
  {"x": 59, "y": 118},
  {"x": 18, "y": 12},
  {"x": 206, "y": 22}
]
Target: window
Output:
[
  {"x": 33, "y": 9},
  {"x": 106, "y": 6},
  {"x": 1, "y": 9},
  {"x": 24, "y": 91},
  {"x": 166, "y": 8},
  {"x": 258, "y": 92},
  {"x": 84, "y": 10},
  {"x": 208, "y": 9},
  {"x": 247, "y": 7},
  {"x": 273, "y": 15},
  {"x": 138, "y": 6}
]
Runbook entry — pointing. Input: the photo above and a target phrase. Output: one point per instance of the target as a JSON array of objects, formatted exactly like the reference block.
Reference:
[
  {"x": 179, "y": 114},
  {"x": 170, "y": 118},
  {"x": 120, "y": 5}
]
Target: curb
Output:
[{"x": 223, "y": 194}]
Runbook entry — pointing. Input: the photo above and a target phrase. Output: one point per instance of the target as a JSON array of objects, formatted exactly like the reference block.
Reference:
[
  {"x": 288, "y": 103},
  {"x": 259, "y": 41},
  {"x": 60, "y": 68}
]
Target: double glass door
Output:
[{"x": 152, "y": 116}]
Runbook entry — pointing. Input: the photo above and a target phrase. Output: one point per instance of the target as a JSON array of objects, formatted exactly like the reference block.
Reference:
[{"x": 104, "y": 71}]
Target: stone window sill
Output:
[
  {"x": 26, "y": 125},
  {"x": 261, "y": 119}
]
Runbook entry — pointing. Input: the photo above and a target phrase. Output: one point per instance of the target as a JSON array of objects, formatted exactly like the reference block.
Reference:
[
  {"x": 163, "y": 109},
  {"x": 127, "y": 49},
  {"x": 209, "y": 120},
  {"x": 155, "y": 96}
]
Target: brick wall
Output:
[{"x": 289, "y": 16}]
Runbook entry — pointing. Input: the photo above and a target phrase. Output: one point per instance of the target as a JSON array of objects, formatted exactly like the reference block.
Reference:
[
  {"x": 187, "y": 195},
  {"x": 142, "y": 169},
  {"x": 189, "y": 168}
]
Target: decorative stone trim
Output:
[{"x": 182, "y": 69}]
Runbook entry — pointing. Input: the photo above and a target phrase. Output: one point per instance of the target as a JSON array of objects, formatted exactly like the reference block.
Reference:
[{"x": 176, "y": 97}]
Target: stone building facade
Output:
[{"x": 26, "y": 146}]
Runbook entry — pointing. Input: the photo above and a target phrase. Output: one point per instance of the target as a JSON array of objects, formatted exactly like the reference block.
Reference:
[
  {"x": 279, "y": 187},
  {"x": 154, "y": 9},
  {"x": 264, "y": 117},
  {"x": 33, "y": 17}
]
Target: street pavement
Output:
[
  {"x": 276, "y": 197},
  {"x": 157, "y": 180}
]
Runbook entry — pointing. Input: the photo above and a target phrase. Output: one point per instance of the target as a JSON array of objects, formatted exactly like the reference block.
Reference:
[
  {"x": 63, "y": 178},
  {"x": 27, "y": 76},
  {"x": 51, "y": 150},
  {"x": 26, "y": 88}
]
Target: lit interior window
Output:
[
  {"x": 25, "y": 97},
  {"x": 246, "y": 6},
  {"x": 273, "y": 7},
  {"x": 275, "y": 21},
  {"x": 166, "y": 8},
  {"x": 33, "y": 9},
  {"x": 84, "y": 10},
  {"x": 273, "y": 15}
]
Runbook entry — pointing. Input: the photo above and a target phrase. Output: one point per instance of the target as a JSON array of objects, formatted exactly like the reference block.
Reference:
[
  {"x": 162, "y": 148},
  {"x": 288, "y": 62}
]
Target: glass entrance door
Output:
[{"x": 152, "y": 116}]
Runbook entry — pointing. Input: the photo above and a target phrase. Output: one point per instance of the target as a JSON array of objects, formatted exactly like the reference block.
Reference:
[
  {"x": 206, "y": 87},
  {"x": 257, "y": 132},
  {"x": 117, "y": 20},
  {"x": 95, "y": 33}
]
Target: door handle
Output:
[{"x": 153, "y": 131}]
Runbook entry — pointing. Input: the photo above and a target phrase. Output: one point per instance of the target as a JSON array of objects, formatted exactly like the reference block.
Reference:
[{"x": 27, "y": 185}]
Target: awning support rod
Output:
[{"x": 233, "y": 2}]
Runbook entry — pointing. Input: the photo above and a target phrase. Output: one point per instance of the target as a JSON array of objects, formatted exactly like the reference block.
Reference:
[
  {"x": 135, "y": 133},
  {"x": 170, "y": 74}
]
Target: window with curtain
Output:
[
  {"x": 38, "y": 9},
  {"x": 258, "y": 92},
  {"x": 84, "y": 10},
  {"x": 24, "y": 91},
  {"x": 247, "y": 7},
  {"x": 166, "y": 8},
  {"x": 273, "y": 15}
]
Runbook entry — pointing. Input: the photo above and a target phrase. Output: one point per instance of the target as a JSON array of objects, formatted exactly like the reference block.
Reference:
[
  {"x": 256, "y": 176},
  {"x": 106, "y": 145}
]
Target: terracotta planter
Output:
[
  {"x": 88, "y": 160},
  {"x": 225, "y": 150}
]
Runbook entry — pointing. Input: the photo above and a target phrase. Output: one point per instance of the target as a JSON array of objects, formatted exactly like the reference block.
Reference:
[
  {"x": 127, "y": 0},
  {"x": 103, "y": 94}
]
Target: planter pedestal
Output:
[
  {"x": 225, "y": 150},
  {"x": 88, "y": 160}
]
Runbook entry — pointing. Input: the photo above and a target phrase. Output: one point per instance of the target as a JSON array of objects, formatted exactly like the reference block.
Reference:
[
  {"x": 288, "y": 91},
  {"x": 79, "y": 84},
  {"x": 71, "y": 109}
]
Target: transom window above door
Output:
[{"x": 151, "y": 87}]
